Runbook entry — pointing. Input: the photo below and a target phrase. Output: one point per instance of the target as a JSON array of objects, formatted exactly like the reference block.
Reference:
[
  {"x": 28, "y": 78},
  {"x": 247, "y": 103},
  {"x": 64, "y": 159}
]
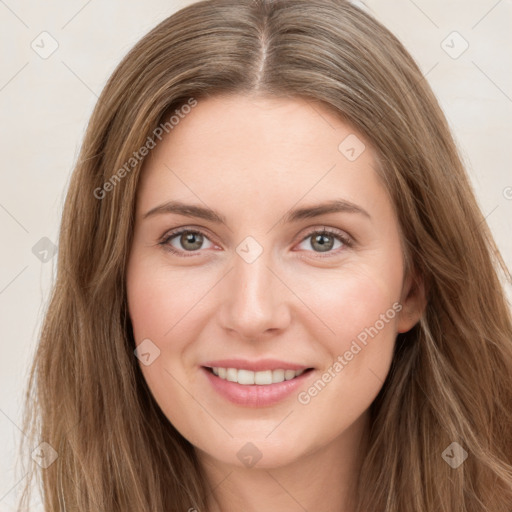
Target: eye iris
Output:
[
  {"x": 321, "y": 239},
  {"x": 190, "y": 237}
]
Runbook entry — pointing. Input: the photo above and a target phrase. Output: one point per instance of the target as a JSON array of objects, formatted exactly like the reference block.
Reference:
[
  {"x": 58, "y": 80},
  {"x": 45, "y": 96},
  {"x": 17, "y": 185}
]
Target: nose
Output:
[{"x": 254, "y": 301}]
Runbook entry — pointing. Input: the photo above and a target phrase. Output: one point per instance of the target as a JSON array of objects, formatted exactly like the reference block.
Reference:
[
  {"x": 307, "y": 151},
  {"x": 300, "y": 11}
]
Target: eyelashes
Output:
[{"x": 325, "y": 232}]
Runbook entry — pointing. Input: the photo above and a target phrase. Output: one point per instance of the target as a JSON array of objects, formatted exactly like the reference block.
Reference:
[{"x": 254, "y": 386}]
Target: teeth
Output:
[
  {"x": 244, "y": 376},
  {"x": 248, "y": 377},
  {"x": 289, "y": 374},
  {"x": 231, "y": 374},
  {"x": 278, "y": 375}
]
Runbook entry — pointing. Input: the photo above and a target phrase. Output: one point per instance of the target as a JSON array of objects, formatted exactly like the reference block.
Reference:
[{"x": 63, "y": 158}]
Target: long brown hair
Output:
[{"x": 451, "y": 376}]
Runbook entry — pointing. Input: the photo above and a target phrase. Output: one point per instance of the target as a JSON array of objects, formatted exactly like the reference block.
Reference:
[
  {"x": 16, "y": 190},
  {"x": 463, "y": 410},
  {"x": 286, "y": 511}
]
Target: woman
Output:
[{"x": 335, "y": 338}]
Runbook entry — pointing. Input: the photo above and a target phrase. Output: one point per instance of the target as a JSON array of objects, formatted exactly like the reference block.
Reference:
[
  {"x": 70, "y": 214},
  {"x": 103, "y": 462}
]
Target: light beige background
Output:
[{"x": 45, "y": 105}]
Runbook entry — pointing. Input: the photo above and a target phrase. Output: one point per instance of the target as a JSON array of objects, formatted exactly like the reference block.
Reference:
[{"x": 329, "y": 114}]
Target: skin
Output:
[{"x": 252, "y": 159}]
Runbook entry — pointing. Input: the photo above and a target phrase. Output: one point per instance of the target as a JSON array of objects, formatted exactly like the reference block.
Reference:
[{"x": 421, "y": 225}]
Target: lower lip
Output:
[{"x": 255, "y": 395}]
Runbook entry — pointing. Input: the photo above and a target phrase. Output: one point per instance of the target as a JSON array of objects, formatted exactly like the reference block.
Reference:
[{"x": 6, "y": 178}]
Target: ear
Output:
[{"x": 413, "y": 302}]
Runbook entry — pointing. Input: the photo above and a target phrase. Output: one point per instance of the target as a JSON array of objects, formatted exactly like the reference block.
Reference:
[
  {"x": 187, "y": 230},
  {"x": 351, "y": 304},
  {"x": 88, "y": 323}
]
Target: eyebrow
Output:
[{"x": 201, "y": 212}]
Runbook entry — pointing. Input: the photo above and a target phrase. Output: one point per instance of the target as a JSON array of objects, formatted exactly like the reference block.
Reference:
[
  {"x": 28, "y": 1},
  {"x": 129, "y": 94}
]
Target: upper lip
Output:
[{"x": 255, "y": 366}]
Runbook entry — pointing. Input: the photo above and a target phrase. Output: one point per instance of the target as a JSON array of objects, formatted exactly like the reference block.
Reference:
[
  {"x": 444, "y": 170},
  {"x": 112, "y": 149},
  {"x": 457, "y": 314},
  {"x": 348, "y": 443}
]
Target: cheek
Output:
[
  {"x": 354, "y": 299},
  {"x": 361, "y": 307},
  {"x": 160, "y": 300},
  {"x": 161, "y": 307}
]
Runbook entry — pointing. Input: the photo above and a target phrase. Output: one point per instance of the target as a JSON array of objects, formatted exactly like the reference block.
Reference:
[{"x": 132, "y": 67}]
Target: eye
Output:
[
  {"x": 183, "y": 241},
  {"x": 324, "y": 240}
]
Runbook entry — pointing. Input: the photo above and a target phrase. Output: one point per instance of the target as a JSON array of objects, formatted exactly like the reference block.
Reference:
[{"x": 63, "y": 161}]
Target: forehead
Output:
[
  {"x": 238, "y": 126},
  {"x": 260, "y": 150}
]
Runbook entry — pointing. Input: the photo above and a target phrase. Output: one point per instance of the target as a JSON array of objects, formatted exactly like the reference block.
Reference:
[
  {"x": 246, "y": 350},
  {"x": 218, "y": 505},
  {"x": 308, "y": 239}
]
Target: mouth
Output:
[
  {"x": 261, "y": 388},
  {"x": 246, "y": 377},
  {"x": 256, "y": 383}
]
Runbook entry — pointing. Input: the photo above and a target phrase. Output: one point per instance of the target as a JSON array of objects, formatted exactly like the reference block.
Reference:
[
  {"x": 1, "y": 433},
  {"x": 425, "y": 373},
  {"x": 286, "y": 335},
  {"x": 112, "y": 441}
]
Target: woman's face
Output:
[{"x": 252, "y": 284}]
